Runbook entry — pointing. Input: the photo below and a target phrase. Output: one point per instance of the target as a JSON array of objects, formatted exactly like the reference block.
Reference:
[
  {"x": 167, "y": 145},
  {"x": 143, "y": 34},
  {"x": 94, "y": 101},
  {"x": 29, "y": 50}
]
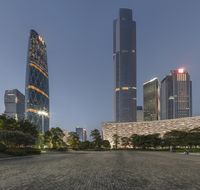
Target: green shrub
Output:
[
  {"x": 30, "y": 150},
  {"x": 62, "y": 149},
  {"x": 22, "y": 151},
  {"x": 194, "y": 150},
  {"x": 2, "y": 147},
  {"x": 16, "y": 138},
  {"x": 16, "y": 152}
]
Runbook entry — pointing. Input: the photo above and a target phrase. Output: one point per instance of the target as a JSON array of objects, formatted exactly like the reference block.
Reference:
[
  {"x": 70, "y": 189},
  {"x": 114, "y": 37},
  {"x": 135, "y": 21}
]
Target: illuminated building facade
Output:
[
  {"x": 14, "y": 102},
  {"x": 124, "y": 58},
  {"x": 176, "y": 95},
  {"x": 37, "y": 83},
  {"x": 151, "y": 93}
]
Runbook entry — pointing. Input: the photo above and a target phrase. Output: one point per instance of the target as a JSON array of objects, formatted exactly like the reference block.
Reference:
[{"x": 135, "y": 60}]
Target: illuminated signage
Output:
[{"x": 181, "y": 70}]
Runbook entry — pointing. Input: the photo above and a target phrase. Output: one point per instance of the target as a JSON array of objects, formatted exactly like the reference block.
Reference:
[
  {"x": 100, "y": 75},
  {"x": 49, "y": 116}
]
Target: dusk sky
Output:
[{"x": 79, "y": 38}]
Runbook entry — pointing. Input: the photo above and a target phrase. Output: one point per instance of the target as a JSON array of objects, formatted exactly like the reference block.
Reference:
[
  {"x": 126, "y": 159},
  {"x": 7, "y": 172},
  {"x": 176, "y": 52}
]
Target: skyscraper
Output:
[
  {"x": 82, "y": 133},
  {"x": 140, "y": 114},
  {"x": 124, "y": 57},
  {"x": 37, "y": 83},
  {"x": 14, "y": 104},
  {"x": 151, "y": 92},
  {"x": 176, "y": 95}
]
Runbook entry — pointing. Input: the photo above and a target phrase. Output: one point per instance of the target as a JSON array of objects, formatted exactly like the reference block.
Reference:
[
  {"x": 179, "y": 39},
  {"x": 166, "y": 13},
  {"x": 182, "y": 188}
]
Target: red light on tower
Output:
[{"x": 181, "y": 70}]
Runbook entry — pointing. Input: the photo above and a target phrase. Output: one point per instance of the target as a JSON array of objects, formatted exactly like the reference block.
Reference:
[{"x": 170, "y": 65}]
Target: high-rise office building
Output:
[
  {"x": 37, "y": 83},
  {"x": 124, "y": 57},
  {"x": 140, "y": 114},
  {"x": 176, "y": 95},
  {"x": 151, "y": 93},
  {"x": 82, "y": 133},
  {"x": 14, "y": 102}
]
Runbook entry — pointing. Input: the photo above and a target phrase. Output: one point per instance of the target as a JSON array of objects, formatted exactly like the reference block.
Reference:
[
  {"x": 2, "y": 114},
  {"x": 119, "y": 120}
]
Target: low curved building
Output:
[{"x": 148, "y": 127}]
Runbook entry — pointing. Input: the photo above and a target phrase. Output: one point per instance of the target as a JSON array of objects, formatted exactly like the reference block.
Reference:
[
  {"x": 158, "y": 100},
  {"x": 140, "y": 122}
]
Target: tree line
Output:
[
  {"x": 172, "y": 139},
  {"x": 97, "y": 142},
  {"x": 22, "y": 137},
  {"x": 23, "y": 134}
]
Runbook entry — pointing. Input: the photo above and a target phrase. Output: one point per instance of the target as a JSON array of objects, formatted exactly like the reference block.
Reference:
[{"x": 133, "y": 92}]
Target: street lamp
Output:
[{"x": 43, "y": 113}]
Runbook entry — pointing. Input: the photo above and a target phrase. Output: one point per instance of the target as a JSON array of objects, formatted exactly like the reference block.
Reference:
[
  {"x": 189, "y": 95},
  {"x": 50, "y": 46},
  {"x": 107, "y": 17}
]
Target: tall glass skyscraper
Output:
[
  {"x": 176, "y": 95},
  {"x": 124, "y": 57},
  {"x": 151, "y": 91},
  {"x": 82, "y": 133},
  {"x": 37, "y": 83}
]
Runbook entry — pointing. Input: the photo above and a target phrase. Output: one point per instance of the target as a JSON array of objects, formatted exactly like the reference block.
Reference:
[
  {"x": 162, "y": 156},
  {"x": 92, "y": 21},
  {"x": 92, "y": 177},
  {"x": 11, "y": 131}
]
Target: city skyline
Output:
[{"x": 68, "y": 108}]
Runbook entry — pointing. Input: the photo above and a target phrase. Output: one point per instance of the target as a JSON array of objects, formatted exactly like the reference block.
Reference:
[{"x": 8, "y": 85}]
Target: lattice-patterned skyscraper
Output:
[{"x": 37, "y": 83}]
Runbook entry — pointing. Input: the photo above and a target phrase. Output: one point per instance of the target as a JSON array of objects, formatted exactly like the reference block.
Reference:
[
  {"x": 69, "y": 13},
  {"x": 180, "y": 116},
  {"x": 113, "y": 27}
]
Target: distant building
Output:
[
  {"x": 66, "y": 135},
  {"x": 151, "y": 93},
  {"x": 14, "y": 104},
  {"x": 176, "y": 95},
  {"x": 82, "y": 133},
  {"x": 37, "y": 83},
  {"x": 124, "y": 58},
  {"x": 140, "y": 114}
]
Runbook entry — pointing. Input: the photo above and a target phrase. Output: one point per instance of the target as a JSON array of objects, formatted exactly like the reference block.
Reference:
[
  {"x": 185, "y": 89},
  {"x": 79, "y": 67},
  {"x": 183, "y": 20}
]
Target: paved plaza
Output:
[{"x": 102, "y": 170}]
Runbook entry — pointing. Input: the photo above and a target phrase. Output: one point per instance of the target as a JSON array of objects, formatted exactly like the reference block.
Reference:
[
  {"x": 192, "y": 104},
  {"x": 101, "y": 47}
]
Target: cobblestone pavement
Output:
[{"x": 102, "y": 170}]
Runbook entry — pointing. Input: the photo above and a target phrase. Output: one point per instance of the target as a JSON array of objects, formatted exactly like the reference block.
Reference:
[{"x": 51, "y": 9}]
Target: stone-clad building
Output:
[{"x": 148, "y": 127}]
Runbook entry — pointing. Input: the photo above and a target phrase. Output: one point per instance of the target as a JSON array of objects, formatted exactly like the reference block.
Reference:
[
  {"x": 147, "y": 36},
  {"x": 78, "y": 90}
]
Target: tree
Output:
[
  {"x": 96, "y": 136},
  {"x": 150, "y": 140},
  {"x": 57, "y": 138},
  {"x": 2, "y": 122},
  {"x": 193, "y": 137},
  {"x": 175, "y": 138},
  {"x": 155, "y": 140},
  {"x": 27, "y": 127},
  {"x": 116, "y": 140},
  {"x": 135, "y": 140},
  {"x": 73, "y": 140},
  {"x": 16, "y": 138},
  {"x": 48, "y": 138},
  {"x": 40, "y": 141},
  {"x": 125, "y": 141},
  {"x": 106, "y": 144},
  {"x": 9, "y": 124},
  {"x": 84, "y": 145}
]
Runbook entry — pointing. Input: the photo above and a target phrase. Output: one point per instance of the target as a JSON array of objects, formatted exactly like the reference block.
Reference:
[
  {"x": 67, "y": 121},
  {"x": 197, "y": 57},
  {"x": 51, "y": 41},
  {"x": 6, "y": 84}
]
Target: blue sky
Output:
[{"x": 78, "y": 34}]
